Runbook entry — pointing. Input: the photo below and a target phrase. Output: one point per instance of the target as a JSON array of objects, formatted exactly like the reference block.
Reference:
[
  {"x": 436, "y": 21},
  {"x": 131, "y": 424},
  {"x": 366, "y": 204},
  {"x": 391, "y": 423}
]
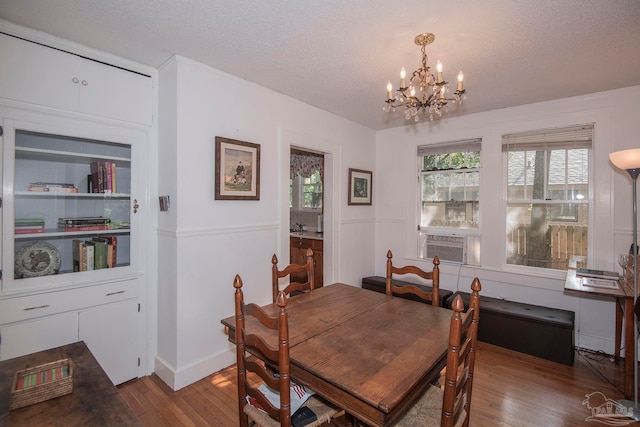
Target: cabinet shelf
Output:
[
  {"x": 56, "y": 233},
  {"x": 66, "y": 156},
  {"x": 51, "y": 194}
]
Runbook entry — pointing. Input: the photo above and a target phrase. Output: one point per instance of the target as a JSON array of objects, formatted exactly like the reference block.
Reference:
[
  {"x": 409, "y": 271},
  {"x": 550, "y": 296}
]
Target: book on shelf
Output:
[
  {"x": 96, "y": 223},
  {"x": 103, "y": 177},
  {"x": 28, "y": 225},
  {"x": 112, "y": 250},
  {"x": 28, "y": 230},
  {"x": 84, "y": 220},
  {"x": 100, "y": 246},
  {"x": 48, "y": 189},
  {"x": 61, "y": 187},
  {"x": 29, "y": 221},
  {"x": 89, "y": 227},
  {"x": 599, "y": 274},
  {"x": 96, "y": 178},
  {"x": 79, "y": 253},
  {"x": 113, "y": 177},
  {"x": 108, "y": 176},
  {"x": 90, "y": 255}
]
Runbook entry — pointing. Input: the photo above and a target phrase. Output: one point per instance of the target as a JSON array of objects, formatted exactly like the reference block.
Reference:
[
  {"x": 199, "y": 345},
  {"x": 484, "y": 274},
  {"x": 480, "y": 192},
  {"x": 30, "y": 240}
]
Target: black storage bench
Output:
[
  {"x": 379, "y": 284},
  {"x": 540, "y": 331}
]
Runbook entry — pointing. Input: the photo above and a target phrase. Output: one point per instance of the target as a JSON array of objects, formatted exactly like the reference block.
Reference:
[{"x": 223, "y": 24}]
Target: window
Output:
[
  {"x": 312, "y": 191},
  {"x": 450, "y": 184},
  {"x": 305, "y": 181},
  {"x": 548, "y": 196}
]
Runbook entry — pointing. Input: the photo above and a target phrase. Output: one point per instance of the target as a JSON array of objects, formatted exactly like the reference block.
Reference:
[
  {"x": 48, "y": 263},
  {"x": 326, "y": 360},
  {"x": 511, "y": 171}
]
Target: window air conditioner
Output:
[{"x": 446, "y": 247}]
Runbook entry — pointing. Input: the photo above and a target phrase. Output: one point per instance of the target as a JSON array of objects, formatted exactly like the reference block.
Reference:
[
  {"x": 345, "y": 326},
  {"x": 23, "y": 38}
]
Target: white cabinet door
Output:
[
  {"x": 37, "y": 74},
  {"x": 111, "y": 92},
  {"x": 40, "y": 75},
  {"x": 38, "y": 335},
  {"x": 111, "y": 333}
]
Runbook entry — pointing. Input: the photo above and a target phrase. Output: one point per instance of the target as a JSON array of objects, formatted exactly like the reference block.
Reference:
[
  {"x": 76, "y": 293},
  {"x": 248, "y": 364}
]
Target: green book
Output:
[{"x": 100, "y": 253}]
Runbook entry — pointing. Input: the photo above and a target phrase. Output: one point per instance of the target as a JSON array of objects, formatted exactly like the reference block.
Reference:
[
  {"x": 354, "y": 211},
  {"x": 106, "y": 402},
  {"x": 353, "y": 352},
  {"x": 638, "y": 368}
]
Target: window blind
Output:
[
  {"x": 580, "y": 136},
  {"x": 461, "y": 146}
]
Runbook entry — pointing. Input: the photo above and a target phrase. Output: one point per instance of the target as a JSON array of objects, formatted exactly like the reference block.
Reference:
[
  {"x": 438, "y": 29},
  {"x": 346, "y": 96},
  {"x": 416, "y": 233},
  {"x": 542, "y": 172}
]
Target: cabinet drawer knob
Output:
[
  {"x": 75, "y": 80},
  {"x": 37, "y": 307},
  {"x": 135, "y": 206},
  {"x": 84, "y": 83}
]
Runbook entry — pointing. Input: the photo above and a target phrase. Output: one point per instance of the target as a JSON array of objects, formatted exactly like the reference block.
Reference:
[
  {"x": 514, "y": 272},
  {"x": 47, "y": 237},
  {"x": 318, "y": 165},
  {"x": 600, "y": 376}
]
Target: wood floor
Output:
[{"x": 509, "y": 389}]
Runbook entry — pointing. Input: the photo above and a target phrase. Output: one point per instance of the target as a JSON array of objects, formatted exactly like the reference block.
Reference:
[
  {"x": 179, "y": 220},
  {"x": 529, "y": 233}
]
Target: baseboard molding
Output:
[
  {"x": 597, "y": 344},
  {"x": 194, "y": 372}
]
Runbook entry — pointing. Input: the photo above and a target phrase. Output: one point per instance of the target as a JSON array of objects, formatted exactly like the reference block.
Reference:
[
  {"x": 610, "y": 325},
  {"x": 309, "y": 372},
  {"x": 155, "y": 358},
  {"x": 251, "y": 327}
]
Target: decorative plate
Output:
[{"x": 37, "y": 259}]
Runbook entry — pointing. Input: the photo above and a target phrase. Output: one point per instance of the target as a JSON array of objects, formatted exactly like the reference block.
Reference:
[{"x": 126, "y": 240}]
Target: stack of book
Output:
[
  {"x": 29, "y": 225},
  {"x": 99, "y": 252},
  {"x": 102, "y": 178},
  {"x": 85, "y": 223},
  {"x": 52, "y": 187}
]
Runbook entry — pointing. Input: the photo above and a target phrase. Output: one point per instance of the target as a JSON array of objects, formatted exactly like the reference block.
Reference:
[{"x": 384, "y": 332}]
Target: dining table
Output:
[{"x": 368, "y": 353}]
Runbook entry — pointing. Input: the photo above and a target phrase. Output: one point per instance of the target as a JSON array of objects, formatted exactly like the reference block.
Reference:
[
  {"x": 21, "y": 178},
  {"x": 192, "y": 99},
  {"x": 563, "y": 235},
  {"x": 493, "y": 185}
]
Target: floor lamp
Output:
[{"x": 629, "y": 160}]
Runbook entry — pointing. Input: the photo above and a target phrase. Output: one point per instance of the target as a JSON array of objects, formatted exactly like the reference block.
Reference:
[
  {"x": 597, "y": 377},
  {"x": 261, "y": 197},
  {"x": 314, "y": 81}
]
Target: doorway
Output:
[{"x": 306, "y": 208}]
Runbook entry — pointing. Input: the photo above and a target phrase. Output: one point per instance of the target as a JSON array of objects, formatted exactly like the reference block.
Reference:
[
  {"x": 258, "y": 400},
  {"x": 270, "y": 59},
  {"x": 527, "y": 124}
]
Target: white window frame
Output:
[
  {"x": 565, "y": 138},
  {"x": 463, "y": 146},
  {"x": 297, "y": 192}
]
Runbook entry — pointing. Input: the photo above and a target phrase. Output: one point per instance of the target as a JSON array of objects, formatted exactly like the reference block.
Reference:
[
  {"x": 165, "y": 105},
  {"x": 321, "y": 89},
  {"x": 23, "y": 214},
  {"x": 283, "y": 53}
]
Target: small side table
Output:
[{"x": 624, "y": 312}]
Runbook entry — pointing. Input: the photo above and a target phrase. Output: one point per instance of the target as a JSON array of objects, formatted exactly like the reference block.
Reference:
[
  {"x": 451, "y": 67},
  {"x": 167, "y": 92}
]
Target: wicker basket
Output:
[{"x": 47, "y": 389}]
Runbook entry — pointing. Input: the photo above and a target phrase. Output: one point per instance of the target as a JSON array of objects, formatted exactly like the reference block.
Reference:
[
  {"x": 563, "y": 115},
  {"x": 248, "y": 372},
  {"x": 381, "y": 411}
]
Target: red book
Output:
[
  {"x": 86, "y": 228},
  {"x": 28, "y": 230}
]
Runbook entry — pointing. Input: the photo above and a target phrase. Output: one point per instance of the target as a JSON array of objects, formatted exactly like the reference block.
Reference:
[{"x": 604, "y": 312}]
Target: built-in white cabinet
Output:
[
  {"x": 105, "y": 316},
  {"x": 73, "y": 209},
  {"x": 109, "y": 332},
  {"x": 42, "y": 76}
]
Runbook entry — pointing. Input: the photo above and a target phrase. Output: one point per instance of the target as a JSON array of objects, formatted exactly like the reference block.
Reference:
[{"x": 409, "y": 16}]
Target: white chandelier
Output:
[{"x": 431, "y": 96}]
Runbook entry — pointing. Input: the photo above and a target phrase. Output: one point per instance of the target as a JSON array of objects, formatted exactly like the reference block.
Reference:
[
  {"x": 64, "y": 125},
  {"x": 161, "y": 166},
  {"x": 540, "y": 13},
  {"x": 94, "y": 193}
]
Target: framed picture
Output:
[
  {"x": 237, "y": 170},
  {"x": 360, "y": 187}
]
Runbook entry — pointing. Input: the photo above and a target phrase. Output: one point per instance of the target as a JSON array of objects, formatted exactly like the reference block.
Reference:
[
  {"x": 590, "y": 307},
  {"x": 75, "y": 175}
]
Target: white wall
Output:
[
  {"x": 204, "y": 243},
  {"x": 615, "y": 114}
]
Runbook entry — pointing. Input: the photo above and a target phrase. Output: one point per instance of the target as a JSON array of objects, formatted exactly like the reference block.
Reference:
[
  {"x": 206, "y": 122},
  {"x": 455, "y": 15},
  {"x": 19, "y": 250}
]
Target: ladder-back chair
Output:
[
  {"x": 434, "y": 276},
  {"x": 294, "y": 271}
]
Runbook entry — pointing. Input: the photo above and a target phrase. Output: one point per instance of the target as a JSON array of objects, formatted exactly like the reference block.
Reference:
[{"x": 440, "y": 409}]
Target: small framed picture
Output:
[
  {"x": 237, "y": 170},
  {"x": 360, "y": 187}
]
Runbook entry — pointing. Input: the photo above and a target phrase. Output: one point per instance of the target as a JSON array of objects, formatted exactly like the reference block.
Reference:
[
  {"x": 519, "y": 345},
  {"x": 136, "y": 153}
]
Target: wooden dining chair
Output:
[
  {"x": 296, "y": 272},
  {"x": 453, "y": 406},
  {"x": 434, "y": 276},
  {"x": 254, "y": 357}
]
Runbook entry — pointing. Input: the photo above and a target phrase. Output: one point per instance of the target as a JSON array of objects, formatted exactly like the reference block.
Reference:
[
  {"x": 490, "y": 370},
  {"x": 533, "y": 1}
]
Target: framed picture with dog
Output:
[{"x": 237, "y": 170}]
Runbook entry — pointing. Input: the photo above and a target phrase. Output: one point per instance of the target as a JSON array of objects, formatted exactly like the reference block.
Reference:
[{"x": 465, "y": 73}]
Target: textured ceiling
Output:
[{"x": 338, "y": 55}]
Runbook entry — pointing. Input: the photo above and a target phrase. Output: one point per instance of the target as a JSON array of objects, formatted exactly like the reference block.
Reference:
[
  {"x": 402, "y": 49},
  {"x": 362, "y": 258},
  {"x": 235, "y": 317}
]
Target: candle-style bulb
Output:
[
  {"x": 439, "y": 68},
  {"x": 403, "y": 74},
  {"x": 389, "y": 90},
  {"x": 460, "y": 80}
]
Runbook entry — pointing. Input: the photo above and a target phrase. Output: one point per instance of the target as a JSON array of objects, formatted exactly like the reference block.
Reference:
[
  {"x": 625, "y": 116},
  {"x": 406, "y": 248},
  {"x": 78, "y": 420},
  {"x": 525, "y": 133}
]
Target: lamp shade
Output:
[{"x": 626, "y": 159}]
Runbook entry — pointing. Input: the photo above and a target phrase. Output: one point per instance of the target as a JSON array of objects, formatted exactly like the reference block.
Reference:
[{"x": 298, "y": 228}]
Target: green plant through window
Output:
[
  {"x": 312, "y": 191},
  {"x": 450, "y": 184}
]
